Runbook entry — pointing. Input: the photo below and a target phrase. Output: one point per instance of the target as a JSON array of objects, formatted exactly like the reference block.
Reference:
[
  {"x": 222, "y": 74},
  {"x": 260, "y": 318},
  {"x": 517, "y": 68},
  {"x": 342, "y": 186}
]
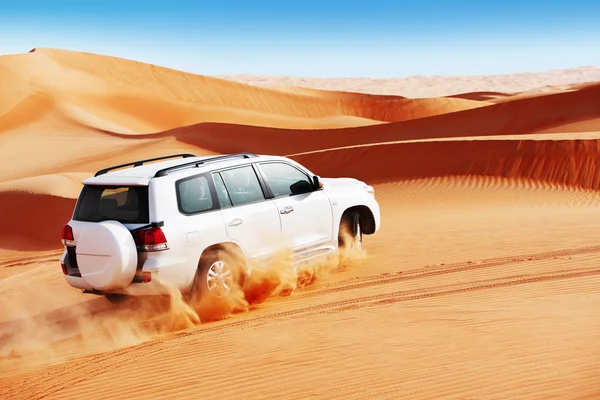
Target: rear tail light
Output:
[
  {"x": 67, "y": 236},
  {"x": 151, "y": 239},
  {"x": 64, "y": 268}
]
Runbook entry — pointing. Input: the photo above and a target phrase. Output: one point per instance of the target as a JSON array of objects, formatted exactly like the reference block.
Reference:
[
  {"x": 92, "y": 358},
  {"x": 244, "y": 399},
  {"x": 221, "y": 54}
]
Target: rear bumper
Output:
[
  {"x": 134, "y": 289},
  {"x": 168, "y": 274},
  {"x": 78, "y": 282}
]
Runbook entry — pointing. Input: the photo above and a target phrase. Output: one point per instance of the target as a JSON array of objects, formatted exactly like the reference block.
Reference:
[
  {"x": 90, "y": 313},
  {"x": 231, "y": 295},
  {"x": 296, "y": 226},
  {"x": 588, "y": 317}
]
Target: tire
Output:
[
  {"x": 217, "y": 274},
  {"x": 106, "y": 255},
  {"x": 350, "y": 235}
]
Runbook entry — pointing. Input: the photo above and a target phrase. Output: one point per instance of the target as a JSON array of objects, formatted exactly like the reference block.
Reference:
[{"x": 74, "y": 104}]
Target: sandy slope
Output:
[
  {"x": 145, "y": 98},
  {"x": 482, "y": 283},
  {"x": 527, "y": 115},
  {"x": 502, "y": 306}
]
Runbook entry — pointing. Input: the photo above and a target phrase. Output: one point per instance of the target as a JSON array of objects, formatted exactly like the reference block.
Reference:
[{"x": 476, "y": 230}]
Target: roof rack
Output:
[
  {"x": 165, "y": 171},
  {"x": 141, "y": 162}
]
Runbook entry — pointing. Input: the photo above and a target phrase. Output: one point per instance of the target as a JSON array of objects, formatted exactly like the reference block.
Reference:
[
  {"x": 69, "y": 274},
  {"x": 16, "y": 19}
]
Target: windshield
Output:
[{"x": 125, "y": 204}]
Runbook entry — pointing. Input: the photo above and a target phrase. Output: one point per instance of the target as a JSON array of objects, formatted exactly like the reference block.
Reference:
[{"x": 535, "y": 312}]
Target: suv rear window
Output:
[{"x": 126, "y": 204}]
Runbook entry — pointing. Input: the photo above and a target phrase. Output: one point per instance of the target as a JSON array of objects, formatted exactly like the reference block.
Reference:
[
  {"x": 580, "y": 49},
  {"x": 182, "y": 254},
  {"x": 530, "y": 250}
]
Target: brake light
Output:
[
  {"x": 64, "y": 268},
  {"x": 151, "y": 239},
  {"x": 67, "y": 236}
]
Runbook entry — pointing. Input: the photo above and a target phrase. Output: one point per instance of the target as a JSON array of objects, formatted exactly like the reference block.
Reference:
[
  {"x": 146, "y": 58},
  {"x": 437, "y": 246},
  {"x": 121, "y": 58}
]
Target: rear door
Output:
[
  {"x": 305, "y": 213},
  {"x": 250, "y": 219},
  {"x": 104, "y": 253}
]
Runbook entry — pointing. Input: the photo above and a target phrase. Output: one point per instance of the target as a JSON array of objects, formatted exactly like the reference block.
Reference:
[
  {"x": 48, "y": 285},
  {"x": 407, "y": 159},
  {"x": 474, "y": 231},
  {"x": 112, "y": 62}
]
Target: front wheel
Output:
[{"x": 350, "y": 235}]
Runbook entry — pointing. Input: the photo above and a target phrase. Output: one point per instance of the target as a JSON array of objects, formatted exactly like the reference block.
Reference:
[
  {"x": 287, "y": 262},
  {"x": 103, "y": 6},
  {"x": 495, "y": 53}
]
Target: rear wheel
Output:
[
  {"x": 350, "y": 235},
  {"x": 217, "y": 274}
]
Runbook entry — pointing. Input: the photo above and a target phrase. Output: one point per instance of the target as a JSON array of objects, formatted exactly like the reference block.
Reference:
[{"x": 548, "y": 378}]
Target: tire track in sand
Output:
[
  {"x": 21, "y": 261},
  {"x": 62, "y": 377},
  {"x": 436, "y": 270}
]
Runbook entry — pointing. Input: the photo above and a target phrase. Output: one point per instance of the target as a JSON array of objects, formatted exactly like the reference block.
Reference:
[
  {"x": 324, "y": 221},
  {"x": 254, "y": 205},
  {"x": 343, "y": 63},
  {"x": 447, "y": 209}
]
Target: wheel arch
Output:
[
  {"x": 366, "y": 218},
  {"x": 230, "y": 247}
]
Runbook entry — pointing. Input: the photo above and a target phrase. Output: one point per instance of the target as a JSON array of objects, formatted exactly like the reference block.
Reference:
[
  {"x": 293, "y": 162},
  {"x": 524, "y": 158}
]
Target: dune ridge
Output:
[{"x": 564, "y": 162}]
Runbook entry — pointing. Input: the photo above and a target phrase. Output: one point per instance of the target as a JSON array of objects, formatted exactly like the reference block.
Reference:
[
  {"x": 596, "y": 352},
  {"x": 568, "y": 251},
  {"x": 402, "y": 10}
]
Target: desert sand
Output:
[
  {"x": 478, "y": 87},
  {"x": 483, "y": 282}
]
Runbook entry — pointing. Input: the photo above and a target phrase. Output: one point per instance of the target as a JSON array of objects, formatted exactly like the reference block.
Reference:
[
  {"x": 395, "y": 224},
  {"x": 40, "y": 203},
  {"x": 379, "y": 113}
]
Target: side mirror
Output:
[
  {"x": 301, "y": 187},
  {"x": 317, "y": 182}
]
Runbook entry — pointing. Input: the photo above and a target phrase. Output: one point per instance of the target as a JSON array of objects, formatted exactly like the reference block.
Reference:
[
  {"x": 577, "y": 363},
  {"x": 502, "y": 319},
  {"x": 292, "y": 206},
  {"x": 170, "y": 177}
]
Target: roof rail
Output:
[
  {"x": 141, "y": 162},
  {"x": 165, "y": 171}
]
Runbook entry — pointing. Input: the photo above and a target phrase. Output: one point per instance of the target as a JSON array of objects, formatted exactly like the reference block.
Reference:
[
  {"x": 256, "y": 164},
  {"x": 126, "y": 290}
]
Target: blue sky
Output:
[{"x": 369, "y": 38}]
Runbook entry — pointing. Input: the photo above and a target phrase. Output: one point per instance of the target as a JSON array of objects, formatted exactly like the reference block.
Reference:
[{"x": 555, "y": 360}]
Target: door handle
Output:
[
  {"x": 235, "y": 222},
  {"x": 287, "y": 210}
]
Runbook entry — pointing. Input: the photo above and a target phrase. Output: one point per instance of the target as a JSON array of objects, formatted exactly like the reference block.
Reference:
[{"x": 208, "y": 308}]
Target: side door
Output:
[
  {"x": 306, "y": 214},
  {"x": 250, "y": 219}
]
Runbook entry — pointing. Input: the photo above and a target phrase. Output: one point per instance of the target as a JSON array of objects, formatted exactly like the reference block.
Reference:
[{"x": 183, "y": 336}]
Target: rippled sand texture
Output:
[{"x": 482, "y": 283}]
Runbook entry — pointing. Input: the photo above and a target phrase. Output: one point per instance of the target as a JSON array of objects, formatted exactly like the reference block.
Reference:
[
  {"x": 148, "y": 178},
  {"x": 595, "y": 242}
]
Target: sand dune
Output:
[
  {"x": 482, "y": 282},
  {"x": 483, "y": 96},
  {"x": 430, "y": 86},
  {"x": 336, "y": 93},
  {"x": 39, "y": 207},
  {"x": 564, "y": 162},
  {"x": 110, "y": 88},
  {"x": 586, "y": 125},
  {"x": 527, "y": 115}
]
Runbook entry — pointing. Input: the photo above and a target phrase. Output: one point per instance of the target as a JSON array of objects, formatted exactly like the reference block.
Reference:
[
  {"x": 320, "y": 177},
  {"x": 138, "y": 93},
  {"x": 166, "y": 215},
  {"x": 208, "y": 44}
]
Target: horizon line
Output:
[{"x": 529, "y": 72}]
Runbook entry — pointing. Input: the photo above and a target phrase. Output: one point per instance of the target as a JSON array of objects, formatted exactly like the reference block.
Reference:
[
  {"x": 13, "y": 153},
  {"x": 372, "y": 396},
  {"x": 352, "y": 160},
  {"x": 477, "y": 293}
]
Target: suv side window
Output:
[
  {"x": 194, "y": 195},
  {"x": 222, "y": 194},
  {"x": 285, "y": 179},
  {"x": 242, "y": 184}
]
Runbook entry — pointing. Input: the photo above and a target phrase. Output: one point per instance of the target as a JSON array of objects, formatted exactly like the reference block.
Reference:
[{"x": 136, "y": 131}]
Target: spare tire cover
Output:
[{"x": 106, "y": 255}]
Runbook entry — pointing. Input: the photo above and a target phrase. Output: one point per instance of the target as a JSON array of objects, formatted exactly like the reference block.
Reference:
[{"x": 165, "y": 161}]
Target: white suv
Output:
[{"x": 175, "y": 222}]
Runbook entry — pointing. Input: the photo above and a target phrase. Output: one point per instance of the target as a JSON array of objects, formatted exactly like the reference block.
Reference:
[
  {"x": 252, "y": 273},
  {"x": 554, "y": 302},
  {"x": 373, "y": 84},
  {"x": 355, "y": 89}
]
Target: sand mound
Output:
[
  {"x": 17, "y": 99},
  {"x": 397, "y": 110},
  {"x": 514, "y": 117},
  {"x": 34, "y": 221},
  {"x": 66, "y": 185},
  {"x": 431, "y": 85},
  {"x": 53, "y": 143},
  {"x": 336, "y": 94},
  {"x": 564, "y": 162},
  {"x": 29, "y": 108},
  {"x": 37, "y": 208},
  {"x": 586, "y": 125},
  {"x": 137, "y": 97},
  {"x": 131, "y": 114},
  {"x": 582, "y": 85},
  {"x": 482, "y": 96},
  {"x": 391, "y": 108}
]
